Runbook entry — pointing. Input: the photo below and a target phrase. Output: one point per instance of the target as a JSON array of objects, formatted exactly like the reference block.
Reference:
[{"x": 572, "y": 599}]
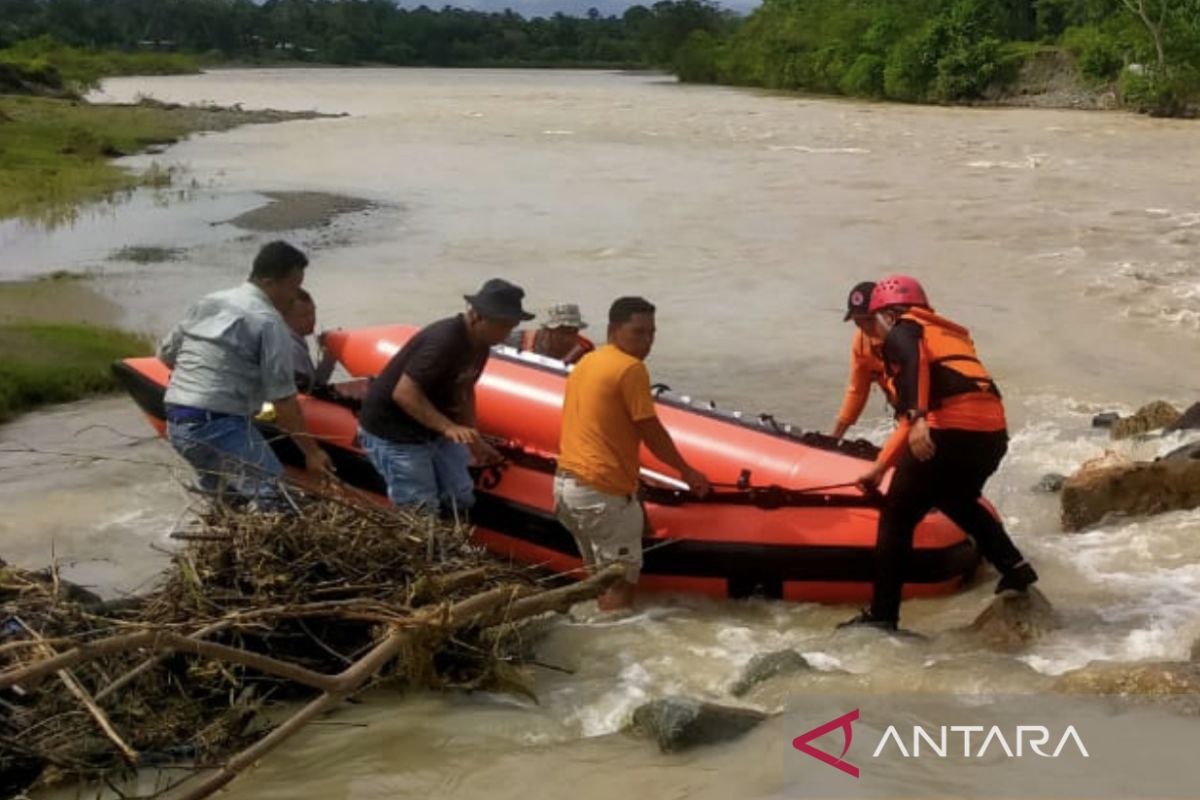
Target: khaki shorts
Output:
[{"x": 607, "y": 527}]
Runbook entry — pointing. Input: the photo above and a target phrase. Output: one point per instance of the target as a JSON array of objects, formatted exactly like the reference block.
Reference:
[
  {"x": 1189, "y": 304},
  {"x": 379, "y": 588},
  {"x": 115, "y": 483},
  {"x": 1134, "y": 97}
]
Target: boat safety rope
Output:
[{"x": 767, "y": 497}]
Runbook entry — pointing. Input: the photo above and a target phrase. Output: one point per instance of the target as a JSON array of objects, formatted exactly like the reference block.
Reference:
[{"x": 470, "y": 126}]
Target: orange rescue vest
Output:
[
  {"x": 529, "y": 340},
  {"x": 951, "y": 366}
]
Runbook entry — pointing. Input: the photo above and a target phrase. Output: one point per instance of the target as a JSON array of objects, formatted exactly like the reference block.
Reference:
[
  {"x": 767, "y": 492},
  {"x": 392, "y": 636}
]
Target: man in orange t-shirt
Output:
[
  {"x": 608, "y": 413},
  {"x": 866, "y": 360}
]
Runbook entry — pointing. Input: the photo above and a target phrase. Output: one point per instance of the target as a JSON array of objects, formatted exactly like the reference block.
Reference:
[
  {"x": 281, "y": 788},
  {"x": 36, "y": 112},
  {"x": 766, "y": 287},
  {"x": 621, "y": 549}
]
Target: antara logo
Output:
[
  {"x": 843, "y": 722},
  {"x": 941, "y": 744}
]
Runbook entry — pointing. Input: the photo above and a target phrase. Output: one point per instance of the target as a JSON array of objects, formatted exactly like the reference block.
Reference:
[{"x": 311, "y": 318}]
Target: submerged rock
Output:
[
  {"x": 1188, "y": 451},
  {"x": 1050, "y": 483},
  {"x": 1175, "y": 682},
  {"x": 1149, "y": 417},
  {"x": 766, "y": 666},
  {"x": 1016, "y": 619},
  {"x": 681, "y": 723},
  {"x": 1139, "y": 487},
  {"x": 147, "y": 254},
  {"x": 1105, "y": 419}
]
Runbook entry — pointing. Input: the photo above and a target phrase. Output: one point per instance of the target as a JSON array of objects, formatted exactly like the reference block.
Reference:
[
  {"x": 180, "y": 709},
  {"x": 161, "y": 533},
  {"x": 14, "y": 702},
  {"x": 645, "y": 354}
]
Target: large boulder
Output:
[
  {"x": 1015, "y": 620},
  {"x": 1139, "y": 487},
  {"x": 1190, "y": 419},
  {"x": 681, "y": 723},
  {"x": 765, "y": 666},
  {"x": 1149, "y": 417},
  {"x": 1173, "y": 683}
]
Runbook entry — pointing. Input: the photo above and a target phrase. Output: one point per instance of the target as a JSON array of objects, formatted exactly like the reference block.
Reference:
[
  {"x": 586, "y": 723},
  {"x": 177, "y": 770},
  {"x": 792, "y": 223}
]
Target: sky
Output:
[{"x": 544, "y": 8}]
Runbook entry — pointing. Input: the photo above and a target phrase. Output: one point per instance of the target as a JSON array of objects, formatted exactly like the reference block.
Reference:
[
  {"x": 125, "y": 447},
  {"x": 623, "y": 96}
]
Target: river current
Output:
[{"x": 1066, "y": 241}]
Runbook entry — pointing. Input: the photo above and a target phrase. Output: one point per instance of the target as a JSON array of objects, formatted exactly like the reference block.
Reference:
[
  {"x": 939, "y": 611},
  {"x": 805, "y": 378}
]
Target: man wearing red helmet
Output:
[
  {"x": 951, "y": 438},
  {"x": 866, "y": 360}
]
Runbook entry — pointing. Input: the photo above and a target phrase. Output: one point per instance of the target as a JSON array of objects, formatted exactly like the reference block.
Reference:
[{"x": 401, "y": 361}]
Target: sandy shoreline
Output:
[
  {"x": 69, "y": 298},
  {"x": 289, "y": 211}
]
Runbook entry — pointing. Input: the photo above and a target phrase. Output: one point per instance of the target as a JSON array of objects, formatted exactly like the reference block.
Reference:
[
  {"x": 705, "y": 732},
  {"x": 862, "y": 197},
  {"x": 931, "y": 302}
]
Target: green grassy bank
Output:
[
  {"x": 57, "y": 343},
  {"x": 55, "y": 154},
  {"x": 43, "y": 363}
]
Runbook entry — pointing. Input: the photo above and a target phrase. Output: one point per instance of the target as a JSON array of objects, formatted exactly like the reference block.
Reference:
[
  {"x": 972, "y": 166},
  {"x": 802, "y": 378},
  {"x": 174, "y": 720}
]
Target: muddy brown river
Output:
[{"x": 1067, "y": 241}]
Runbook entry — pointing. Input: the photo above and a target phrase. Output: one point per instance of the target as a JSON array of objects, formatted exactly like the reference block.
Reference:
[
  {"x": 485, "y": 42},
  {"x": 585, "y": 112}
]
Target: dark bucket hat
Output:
[
  {"x": 859, "y": 301},
  {"x": 499, "y": 299}
]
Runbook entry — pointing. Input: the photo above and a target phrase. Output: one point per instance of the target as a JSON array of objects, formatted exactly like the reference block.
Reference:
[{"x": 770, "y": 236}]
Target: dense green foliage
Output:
[
  {"x": 52, "y": 61},
  {"x": 364, "y": 31},
  {"x": 954, "y": 50},
  {"x": 55, "y": 363}
]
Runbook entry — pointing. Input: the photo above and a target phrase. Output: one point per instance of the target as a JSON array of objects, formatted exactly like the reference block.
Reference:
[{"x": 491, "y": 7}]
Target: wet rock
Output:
[
  {"x": 1050, "y": 483},
  {"x": 147, "y": 254},
  {"x": 1187, "y": 452},
  {"x": 766, "y": 666},
  {"x": 1139, "y": 487},
  {"x": 681, "y": 723},
  {"x": 1196, "y": 650},
  {"x": 1175, "y": 683},
  {"x": 1015, "y": 620},
  {"x": 1105, "y": 420},
  {"x": 1149, "y": 417},
  {"x": 1189, "y": 420}
]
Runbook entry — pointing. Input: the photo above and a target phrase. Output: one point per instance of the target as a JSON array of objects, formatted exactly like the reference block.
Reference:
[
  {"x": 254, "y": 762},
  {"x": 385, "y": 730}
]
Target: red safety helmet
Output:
[{"x": 897, "y": 290}]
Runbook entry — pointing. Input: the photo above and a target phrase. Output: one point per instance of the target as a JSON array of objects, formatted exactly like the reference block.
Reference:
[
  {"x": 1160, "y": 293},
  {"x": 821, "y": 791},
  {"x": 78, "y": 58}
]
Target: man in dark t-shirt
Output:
[{"x": 418, "y": 420}]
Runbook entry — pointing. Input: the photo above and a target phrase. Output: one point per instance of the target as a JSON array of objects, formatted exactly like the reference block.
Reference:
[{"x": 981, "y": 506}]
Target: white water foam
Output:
[
  {"x": 1031, "y": 161},
  {"x": 801, "y": 148},
  {"x": 1132, "y": 586}
]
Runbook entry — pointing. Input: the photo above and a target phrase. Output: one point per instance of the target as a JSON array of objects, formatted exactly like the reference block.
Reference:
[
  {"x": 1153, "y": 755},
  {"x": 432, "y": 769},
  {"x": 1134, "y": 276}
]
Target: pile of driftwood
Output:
[{"x": 257, "y": 611}]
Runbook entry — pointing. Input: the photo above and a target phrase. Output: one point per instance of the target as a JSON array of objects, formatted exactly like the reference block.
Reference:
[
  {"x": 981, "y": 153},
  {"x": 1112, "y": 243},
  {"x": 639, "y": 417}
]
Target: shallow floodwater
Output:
[{"x": 1067, "y": 241}]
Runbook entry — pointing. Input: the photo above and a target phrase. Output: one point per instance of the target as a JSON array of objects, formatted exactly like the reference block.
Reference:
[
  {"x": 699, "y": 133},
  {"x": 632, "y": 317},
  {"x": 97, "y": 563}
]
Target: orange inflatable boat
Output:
[{"x": 784, "y": 521}]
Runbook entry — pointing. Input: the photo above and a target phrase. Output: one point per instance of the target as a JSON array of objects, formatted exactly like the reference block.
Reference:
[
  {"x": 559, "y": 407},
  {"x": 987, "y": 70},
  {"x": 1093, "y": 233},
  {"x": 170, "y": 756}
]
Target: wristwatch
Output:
[{"x": 915, "y": 414}]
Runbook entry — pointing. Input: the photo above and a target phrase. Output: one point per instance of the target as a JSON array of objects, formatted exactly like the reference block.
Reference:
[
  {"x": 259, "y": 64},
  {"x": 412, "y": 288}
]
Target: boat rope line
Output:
[{"x": 768, "y": 497}]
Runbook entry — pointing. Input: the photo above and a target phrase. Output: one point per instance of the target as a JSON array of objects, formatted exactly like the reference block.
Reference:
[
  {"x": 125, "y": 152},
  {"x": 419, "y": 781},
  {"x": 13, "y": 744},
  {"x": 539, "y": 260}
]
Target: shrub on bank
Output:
[
  {"x": 1100, "y": 56},
  {"x": 1173, "y": 95},
  {"x": 696, "y": 59}
]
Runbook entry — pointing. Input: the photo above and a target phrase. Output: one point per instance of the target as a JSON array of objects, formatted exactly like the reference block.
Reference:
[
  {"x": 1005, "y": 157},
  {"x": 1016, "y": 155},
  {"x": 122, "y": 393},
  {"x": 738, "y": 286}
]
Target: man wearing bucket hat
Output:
[
  {"x": 418, "y": 420},
  {"x": 866, "y": 360},
  {"x": 558, "y": 337}
]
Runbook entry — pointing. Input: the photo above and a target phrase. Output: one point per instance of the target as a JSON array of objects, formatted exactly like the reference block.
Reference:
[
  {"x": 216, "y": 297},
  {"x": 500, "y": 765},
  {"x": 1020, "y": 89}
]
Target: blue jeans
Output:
[
  {"x": 230, "y": 457},
  {"x": 428, "y": 475}
]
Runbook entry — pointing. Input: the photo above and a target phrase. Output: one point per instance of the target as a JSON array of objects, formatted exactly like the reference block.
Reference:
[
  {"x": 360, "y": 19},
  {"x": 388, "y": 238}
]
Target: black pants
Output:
[{"x": 952, "y": 482}]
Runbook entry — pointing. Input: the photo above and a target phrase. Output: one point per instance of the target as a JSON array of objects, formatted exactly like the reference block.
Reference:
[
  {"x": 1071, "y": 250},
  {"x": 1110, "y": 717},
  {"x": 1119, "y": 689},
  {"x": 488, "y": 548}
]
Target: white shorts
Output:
[{"x": 607, "y": 528}]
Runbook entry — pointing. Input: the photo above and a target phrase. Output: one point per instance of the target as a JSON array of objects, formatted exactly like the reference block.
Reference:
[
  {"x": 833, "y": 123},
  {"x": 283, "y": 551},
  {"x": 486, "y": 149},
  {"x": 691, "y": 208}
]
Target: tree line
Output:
[
  {"x": 956, "y": 50},
  {"x": 365, "y": 31},
  {"x": 942, "y": 51}
]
